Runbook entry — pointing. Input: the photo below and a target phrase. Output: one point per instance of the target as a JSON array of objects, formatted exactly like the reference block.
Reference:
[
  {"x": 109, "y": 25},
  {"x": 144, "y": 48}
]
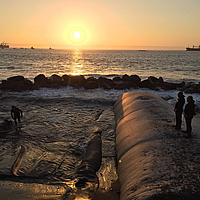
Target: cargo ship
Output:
[
  {"x": 4, "y": 45},
  {"x": 194, "y": 48}
]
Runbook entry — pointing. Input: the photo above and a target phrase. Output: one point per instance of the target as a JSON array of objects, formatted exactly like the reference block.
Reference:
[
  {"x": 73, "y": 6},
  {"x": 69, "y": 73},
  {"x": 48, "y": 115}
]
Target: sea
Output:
[{"x": 57, "y": 124}]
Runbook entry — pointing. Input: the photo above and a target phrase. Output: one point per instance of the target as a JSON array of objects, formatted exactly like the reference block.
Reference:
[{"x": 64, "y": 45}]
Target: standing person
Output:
[
  {"x": 179, "y": 109},
  {"x": 16, "y": 114},
  {"x": 189, "y": 112}
]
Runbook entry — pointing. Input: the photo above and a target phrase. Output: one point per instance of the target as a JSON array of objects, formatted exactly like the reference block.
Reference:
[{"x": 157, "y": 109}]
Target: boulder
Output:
[
  {"x": 126, "y": 78},
  {"x": 56, "y": 79},
  {"x": 106, "y": 86},
  {"x": 31, "y": 85},
  {"x": 76, "y": 81},
  {"x": 135, "y": 78},
  {"x": 65, "y": 79},
  {"x": 154, "y": 81},
  {"x": 169, "y": 86},
  {"x": 121, "y": 85},
  {"x": 17, "y": 83},
  {"x": 35, "y": 86},
  {"x": 40, "y": 78},
  {"x": 194, "y": 88},
  {"x": 161, "y": 81},
  {"x": 91, "y": 84},
  {"x": 172, "y": 86},
  {"x": 146, "y": 84},
  {"x": 42, "y": 81},
  {"x": 180, "y": 85},
  {"x": 105, "y": 83},
  {"x": 16, "y": 78},
  {"x": 91, "y": 79},
  {"x": 117, "y": 79}
]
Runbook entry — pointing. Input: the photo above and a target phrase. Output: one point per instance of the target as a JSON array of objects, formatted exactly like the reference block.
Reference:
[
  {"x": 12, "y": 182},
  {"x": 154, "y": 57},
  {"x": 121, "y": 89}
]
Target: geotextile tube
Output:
[
  {"x": 155, "y": 161},
  {"x": 91, "y": 162}
]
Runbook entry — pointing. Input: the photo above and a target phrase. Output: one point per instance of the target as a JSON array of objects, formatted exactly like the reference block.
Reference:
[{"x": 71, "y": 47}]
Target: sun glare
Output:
[{"x": 77, "y": 35}]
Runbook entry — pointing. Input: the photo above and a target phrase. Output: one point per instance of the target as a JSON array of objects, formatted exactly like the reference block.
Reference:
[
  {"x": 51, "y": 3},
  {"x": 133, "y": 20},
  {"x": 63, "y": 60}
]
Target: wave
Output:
[{"x": 65, "y": 94}]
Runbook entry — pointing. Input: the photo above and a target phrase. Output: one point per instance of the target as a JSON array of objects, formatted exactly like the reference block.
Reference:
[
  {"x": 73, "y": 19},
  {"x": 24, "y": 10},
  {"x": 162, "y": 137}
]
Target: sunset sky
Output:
[{"x": 100, "y": 24}]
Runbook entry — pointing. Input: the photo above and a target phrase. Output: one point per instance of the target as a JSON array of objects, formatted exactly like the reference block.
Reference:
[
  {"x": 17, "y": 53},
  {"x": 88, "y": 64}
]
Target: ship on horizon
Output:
[
  {"x": 4, "y": 45},
  {"x": 194, "y": 48}
]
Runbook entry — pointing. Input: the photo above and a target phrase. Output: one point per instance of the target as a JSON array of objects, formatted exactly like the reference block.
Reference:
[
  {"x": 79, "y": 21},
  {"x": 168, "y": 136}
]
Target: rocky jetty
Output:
[{"x": 19, "y": 83}]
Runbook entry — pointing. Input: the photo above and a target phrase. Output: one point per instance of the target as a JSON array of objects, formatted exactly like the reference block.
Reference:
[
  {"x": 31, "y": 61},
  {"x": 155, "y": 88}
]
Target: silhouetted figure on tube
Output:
[
  {"x": 189, "y": 112},
  {"x": 179, "y": 109}
]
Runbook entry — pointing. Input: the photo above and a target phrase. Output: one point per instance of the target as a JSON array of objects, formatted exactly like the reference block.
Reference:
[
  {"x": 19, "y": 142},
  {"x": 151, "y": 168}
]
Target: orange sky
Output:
[{"x": 102, "y": 24}]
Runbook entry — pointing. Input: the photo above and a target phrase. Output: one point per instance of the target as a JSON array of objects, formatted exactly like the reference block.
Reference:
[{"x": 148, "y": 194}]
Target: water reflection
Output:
[{"x": 77, "y": 65}]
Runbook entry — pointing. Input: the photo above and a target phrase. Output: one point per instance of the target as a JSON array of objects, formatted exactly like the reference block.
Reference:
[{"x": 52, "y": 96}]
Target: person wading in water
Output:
[{"x": 16, "y": 114}]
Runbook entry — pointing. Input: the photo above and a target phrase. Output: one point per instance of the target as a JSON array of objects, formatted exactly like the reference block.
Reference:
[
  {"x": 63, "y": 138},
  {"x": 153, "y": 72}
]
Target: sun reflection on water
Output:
[{"x": 77, "y": 65}]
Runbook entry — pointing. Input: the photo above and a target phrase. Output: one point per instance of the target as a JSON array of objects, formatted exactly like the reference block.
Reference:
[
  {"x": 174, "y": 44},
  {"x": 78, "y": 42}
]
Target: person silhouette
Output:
[
  {"x": 189, "y": 112},
  {"x": 179, "y": 109},
  {"x": 16, "y": 114}
]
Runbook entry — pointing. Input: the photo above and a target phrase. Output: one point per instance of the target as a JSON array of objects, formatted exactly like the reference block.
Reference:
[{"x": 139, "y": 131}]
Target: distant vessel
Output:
[
  {"x": 4, "y": 45},
  {"x": 194, "y": 48},
  {"x": 32, "y": 48},
  {"x": 50, "y": 48}
]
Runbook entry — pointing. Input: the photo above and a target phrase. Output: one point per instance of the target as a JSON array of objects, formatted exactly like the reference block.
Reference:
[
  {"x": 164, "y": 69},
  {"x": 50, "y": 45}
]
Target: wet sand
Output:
[{"x": 51, "y": 142}]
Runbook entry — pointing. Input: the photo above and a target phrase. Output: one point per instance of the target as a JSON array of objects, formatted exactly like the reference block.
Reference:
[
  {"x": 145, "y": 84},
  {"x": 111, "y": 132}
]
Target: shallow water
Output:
[{"x": 171, "y": 65}]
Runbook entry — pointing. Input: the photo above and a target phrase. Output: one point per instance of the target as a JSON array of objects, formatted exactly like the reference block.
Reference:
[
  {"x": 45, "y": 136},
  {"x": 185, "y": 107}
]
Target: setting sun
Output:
[{"x": 77, "y": 35}]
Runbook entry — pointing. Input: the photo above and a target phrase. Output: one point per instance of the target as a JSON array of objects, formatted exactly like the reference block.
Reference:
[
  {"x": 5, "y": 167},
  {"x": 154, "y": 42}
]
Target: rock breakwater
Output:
[{"x": 20, "y": 83}]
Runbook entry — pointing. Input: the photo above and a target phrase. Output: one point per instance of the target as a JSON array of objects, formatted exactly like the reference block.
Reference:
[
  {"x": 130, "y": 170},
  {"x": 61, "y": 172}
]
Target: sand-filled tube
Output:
[
  {"x": 155, "y": 161},
  {"x": 91, "y": 162}
]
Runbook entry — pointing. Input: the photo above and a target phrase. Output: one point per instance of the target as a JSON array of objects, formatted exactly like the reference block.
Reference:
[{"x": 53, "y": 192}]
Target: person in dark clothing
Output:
[
  {"x": 189, "y": 112},
  {"x": 16, "y": 114},
  {"x": 179, "y": 109}
]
